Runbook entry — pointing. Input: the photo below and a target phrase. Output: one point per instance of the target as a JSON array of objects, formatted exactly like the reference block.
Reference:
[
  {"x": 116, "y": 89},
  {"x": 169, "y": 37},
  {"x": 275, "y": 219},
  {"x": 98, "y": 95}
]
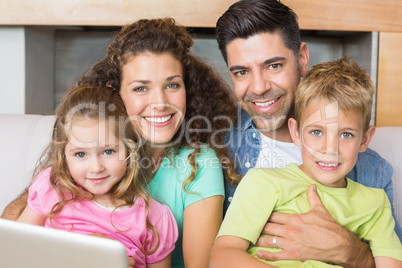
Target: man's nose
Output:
[{"x": 260, "y": 83}]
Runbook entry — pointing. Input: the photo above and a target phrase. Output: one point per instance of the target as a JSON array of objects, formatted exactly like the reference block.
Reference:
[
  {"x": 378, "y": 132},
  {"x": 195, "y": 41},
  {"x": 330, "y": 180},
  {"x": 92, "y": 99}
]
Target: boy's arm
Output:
[
  {"x": 231, "y": 251},
  {"x": 16, "y": 207},
  {"x": 385, "y": 262},
  {"x": 314, "y": 235}
]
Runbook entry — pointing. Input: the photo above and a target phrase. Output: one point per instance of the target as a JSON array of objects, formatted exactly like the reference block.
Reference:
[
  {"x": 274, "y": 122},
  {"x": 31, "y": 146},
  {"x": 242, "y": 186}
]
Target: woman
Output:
[{"x": 183, "y": 109}]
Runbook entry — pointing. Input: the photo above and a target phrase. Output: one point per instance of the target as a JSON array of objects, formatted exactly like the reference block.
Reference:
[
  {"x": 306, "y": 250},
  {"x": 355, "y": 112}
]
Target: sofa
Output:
[{"x": 24, "y": 137}]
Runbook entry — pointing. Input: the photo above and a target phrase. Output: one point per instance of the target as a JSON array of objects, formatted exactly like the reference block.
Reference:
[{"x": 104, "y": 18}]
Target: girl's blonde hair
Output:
[
  {"x": 103, "y": 104},
  {"x": 341, "y": 80}
]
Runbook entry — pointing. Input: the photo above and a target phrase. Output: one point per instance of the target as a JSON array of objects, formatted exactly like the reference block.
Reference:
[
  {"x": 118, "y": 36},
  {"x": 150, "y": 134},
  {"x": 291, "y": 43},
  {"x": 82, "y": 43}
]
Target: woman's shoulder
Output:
[{"x": 205, "y": 151}]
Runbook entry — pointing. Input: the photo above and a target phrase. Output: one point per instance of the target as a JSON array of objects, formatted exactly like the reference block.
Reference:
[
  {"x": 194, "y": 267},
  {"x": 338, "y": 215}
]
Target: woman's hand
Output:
[{"x": 314, "y": 235}]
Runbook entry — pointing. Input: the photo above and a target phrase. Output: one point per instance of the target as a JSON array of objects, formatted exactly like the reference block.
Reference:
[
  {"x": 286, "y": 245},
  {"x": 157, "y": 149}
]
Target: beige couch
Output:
[{"x": 23, "y": 138}]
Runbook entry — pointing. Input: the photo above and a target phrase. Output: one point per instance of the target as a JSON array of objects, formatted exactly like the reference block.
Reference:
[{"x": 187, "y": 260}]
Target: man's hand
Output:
[
  {"x": 14, "y": 210},
  {"x": 131, "y": 261},
  {"x": 314, "y": 235}
]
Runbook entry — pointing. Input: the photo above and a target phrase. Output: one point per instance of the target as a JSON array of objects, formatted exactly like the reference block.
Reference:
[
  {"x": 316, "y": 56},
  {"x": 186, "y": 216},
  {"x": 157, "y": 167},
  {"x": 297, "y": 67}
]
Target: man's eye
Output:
[
  {"x": 240, "y": 73},
  {"x": 274, "y": 66},
  {"x": 80, "y": 155},
  {"x": 108, "y": 152},
  {"x": 316, "y": 132}
]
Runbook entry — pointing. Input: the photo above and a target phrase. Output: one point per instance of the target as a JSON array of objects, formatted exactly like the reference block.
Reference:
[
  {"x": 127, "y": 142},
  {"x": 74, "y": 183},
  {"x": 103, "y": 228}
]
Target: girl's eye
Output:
[
  {"x": 80, "y": 155},
  {"x": 108, "y": 152},
  {"x": 139, "y": 89},
  {"x": 316, "y": 132},
  {"x": 346, "y": 135}
]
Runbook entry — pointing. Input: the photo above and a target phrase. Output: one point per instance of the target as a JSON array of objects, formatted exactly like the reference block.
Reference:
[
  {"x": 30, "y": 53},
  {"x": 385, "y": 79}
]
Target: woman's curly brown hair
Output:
[{"x": 211, "y": 108}]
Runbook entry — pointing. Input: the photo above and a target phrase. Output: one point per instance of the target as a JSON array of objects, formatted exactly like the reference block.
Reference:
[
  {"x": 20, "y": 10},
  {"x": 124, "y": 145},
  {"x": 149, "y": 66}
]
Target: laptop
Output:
[{"x": 25, "y": 245}]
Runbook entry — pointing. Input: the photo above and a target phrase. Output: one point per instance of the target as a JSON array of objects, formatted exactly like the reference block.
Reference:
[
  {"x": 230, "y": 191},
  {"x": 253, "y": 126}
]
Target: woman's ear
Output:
[
  {"x": 367, "y": 138},
  {"x": 294, "y": 132}
]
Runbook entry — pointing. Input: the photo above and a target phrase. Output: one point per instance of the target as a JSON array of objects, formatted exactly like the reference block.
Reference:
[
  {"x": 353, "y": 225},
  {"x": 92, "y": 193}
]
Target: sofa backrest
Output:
[{"x": 24, "y": 137}]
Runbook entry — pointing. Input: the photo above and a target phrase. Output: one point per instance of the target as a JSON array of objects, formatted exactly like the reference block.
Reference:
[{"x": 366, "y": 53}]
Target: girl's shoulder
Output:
[{"x": 42, "y": 178}]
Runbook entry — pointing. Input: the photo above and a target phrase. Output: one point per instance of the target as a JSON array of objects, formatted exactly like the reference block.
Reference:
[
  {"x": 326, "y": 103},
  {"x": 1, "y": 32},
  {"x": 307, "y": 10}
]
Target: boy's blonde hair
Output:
[{"x": 341, "y": 80}]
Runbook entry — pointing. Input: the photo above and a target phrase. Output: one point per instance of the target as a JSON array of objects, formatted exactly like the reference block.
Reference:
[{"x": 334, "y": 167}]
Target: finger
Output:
[
  {"x": 131, "y": 261},
  {"x": 280, "y": 217},
  {"x": 273, "y": 229},
  {"x": 272, "y": 256},
  {"x": 314, "y": 198},
  {"x": 269, "y": 241}
]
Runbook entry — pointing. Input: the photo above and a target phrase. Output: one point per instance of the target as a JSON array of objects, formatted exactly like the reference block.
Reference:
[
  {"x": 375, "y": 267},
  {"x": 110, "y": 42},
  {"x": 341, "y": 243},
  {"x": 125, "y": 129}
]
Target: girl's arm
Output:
[
  {"x": 386, "y": 262},
  {"x": 29, "y": 216},
  {"x": 165, "y": 263},
  {"x": 231, "y": 251},
  {"x": 201, "y": 223}
]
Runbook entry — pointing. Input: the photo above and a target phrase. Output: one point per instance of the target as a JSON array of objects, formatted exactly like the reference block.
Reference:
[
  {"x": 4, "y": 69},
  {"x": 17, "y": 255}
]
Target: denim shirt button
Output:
[
  {"x": 254, "y": 135},
  {"x": 230, "y": 199},
  {"x": 247, "y": 164}
]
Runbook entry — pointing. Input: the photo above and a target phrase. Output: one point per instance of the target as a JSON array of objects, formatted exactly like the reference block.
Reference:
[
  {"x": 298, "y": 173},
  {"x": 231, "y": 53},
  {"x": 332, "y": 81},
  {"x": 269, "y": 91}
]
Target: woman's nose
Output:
[{"x": 159, "y": 100}]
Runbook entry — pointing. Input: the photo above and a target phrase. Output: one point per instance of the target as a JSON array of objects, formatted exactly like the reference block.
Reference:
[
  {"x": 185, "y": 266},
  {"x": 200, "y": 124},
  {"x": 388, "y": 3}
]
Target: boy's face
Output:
[{"x": 330, "y": 141}]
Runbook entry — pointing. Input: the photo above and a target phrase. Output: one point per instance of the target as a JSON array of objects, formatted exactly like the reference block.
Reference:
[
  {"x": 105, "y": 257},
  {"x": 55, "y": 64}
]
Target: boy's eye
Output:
[
  {"x": 108, "y": 152},
  {"x": 316, "y": 132},
  {"x": 346, "y": 135},
  {"x": 80, "y": 154}
]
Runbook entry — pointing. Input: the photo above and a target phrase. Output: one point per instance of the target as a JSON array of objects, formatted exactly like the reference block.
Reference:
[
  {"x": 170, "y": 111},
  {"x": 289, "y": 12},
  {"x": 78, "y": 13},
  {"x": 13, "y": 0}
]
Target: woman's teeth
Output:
[{"x": 158, "y": 119}]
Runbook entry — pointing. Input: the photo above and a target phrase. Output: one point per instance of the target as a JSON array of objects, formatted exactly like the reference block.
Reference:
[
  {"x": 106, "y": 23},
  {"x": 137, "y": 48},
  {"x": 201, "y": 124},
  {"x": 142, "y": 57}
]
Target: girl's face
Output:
[
  {"x": 95, "y": 157},
  {"x": 154, "y": 94}
]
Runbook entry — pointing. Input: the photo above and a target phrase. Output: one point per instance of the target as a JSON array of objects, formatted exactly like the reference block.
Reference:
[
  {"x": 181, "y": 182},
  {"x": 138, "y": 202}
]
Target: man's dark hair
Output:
[{"x": 246, "y": 18}]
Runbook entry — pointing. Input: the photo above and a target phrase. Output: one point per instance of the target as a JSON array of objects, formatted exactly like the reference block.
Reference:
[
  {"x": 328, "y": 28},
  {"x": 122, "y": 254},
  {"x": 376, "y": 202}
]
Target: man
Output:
[{"x": 260, "y": 42}]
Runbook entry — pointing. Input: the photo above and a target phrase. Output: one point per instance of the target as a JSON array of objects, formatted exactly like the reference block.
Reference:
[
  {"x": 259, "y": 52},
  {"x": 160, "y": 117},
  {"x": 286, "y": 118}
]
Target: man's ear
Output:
[
  {"x": 294, "y": 132},
  {"x": 367, "y": 138},
  {"x": 304, "y": 58}
]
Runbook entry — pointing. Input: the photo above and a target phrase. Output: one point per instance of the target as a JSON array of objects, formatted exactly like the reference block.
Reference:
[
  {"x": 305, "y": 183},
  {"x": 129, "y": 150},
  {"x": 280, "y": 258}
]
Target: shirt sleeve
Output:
[
  {"x": 209, "y": 180},
  {"x": 164, "y": 222},
  {"x": 252, "y": 204},
  {"x": 41, "y": 196}
]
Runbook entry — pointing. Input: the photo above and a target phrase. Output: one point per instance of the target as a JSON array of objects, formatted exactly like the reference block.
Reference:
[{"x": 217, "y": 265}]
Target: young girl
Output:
[{"x": 89, "y": 180}]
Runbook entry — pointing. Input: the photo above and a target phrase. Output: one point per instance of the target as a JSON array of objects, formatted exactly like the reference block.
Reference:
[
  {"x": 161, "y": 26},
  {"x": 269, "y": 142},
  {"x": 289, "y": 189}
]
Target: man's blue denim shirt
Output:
[{"x": 244, "y": 145}]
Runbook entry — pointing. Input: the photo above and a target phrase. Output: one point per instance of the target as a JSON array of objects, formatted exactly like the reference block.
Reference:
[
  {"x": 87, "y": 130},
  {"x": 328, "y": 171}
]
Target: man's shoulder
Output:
[{"x": 371, "y": 170}]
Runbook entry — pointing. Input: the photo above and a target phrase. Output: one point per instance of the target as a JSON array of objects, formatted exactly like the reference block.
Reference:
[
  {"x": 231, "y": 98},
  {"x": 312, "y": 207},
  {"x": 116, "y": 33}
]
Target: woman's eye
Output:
[
  {"x": 316, "y": 132},
  {"x": 139, "y": 89},
  {"x": 346, "y": 135},
  {"x": 108, "y": 152},
  {"x": 80, "y": 155},
  {"x": 172, "y": 86}
]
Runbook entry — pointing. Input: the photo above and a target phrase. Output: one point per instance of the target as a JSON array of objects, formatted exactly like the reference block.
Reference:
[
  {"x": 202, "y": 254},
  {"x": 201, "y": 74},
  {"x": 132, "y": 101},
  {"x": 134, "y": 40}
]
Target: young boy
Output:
[{"x": 331, "y": 124}]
